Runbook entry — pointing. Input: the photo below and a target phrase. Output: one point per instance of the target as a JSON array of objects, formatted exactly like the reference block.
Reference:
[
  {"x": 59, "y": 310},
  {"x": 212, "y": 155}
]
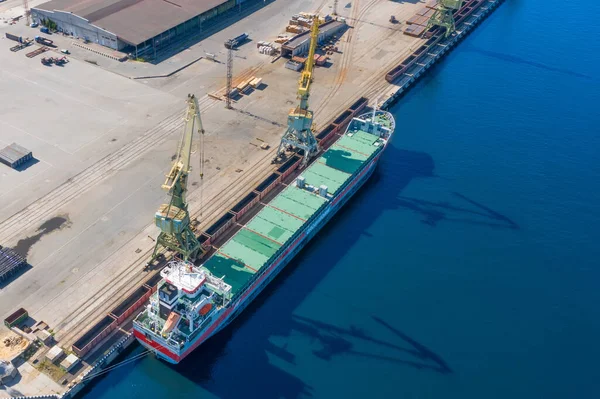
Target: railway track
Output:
[
  {"x": 320, "y": 7},
  {"x": 346, "y": 61}
]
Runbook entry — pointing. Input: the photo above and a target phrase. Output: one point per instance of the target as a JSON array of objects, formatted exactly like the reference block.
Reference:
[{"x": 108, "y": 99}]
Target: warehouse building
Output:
[
  {"x": 298, "y": 45},
  {"x": 134, "y": 26}
]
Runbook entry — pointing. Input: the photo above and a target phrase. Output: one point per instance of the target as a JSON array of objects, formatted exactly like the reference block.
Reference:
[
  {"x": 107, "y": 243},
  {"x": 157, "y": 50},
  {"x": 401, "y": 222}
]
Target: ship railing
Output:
[{"x": 171, "y": 342}]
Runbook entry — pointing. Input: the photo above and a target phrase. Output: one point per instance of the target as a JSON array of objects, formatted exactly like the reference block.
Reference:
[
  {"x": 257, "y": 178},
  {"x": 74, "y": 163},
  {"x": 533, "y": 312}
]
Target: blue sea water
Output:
[{"x": 468, "y": 267}]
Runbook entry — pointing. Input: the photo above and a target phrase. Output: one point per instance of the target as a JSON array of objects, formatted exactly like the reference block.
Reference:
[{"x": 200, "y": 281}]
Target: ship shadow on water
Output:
[{"x": 239, "y": 359}]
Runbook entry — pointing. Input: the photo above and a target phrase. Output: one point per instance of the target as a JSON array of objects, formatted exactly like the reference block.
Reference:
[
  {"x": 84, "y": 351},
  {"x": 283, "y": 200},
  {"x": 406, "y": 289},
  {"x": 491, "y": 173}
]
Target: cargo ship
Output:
[{"x": 193, "y": 303}]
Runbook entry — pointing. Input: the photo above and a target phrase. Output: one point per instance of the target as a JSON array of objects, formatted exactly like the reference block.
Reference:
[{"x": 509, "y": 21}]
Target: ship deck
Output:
[{"x": 276, "y": 225}]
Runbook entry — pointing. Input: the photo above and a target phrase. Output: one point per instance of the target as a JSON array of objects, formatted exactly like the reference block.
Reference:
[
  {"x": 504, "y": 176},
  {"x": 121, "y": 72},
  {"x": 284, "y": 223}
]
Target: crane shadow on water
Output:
[
  {"x": 435, "y": 212},
  {"x": 335, "y": 340}
]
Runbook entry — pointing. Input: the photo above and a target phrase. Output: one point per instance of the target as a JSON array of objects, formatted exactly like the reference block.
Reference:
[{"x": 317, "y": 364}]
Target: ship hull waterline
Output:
[{"x": 229, "y": 314}]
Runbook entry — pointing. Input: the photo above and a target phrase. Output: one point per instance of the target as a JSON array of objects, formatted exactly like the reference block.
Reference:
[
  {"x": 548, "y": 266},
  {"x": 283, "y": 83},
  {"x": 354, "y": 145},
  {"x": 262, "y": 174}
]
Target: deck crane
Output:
[
  {"x": 444, "y": 15},
  {"x": 173, "y": 219},
  {"x": 299, "y": 131}
]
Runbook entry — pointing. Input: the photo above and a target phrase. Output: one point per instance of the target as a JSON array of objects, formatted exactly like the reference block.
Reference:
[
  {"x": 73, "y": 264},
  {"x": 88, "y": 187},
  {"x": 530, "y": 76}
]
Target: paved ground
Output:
[
  {"x": 30, "y": 382},
  {"x": 83, "y": 213}
]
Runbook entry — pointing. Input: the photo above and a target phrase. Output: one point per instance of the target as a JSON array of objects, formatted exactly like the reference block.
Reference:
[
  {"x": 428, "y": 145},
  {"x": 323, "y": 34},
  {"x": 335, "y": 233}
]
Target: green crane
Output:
[
  {"x": 173, "y": 219},
  {"x": 444, "y": 15}
]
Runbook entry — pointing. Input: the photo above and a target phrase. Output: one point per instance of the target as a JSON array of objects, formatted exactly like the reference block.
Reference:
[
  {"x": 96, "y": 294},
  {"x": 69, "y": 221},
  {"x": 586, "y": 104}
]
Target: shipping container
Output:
[{"x": 17, "y": 317}]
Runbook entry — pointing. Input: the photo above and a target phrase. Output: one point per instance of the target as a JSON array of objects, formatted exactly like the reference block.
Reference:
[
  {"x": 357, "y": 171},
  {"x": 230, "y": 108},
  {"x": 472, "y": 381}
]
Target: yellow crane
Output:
[
  {"x": 300, "y": 119},
  {"x": 173, "y": 219}
]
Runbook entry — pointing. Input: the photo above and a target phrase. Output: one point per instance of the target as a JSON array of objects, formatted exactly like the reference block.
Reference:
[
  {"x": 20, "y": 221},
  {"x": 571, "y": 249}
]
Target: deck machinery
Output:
[
  {"x": 444, "y": 15},
  {"x": 299, "y": 133},
  {"x": 173, "y": 219}
]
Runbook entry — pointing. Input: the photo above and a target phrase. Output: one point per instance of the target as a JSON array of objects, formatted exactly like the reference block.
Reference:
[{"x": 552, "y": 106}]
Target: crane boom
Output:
[
  {"x": 306, "y": 77},
  {"x": 176, "y": 182}
]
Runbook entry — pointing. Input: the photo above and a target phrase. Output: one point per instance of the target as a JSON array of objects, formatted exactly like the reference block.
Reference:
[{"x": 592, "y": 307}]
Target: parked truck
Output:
[
  {"x": 236, "y": 41},
  {"x": 44, "y": 41}
]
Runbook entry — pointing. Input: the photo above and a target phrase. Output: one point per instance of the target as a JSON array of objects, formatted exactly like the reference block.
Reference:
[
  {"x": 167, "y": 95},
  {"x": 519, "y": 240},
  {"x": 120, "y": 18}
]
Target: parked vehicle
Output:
[
  {"x": 236, "y": 41},
  {"x": 44, "y": 41},
  {"x": 34, "y": 25}
]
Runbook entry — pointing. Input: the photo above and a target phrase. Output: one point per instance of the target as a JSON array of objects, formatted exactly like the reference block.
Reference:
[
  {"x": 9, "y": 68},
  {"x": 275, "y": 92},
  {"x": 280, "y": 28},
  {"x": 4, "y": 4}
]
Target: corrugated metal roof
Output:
[
  {"x": 134, "y": 21},
  {"x": 13, "y": 153},
  {"x": 305, "y": 36}
]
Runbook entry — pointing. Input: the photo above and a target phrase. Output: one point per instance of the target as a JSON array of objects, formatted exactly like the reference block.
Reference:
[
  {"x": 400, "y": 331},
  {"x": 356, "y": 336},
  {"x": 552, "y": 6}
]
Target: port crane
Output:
[
  {"x": 173, "y": 219},
  {"x": 300, "y": 119},
  {"x": 444, "y": 15}
]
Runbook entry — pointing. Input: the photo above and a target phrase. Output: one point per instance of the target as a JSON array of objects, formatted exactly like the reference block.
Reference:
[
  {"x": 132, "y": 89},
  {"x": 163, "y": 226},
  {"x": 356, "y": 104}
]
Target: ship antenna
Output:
[{"x": 375, "y": 108}]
